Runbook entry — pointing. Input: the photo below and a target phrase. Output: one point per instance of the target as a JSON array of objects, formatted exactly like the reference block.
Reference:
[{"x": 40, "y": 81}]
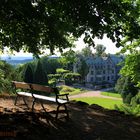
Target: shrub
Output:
[
  {"x": 71, "y": 78},
  {"x": 40, "y": 77},
  {"x": 7, "y": 74},
  {"x": 127, "y": 89},
  {"x": 135, "y": 100},
  {"x": 52, "y": 82},
  {"x": 70, "y": 90},
  {"x": 28, "y": 74},
  {"x": 56, "y": 76},
  {"x": 62, "y": 71}
]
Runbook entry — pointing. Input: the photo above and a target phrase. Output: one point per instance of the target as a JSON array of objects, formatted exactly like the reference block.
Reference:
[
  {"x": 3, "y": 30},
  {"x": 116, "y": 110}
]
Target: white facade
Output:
[{"x": 101, "y": 70}]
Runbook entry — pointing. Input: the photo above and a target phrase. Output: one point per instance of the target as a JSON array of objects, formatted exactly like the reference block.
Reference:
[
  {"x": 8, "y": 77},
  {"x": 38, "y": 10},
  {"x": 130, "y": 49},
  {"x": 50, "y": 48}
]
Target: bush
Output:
[
  {"x": 135, "y": 100},
  {"x": 7, "y": 74},
  {"x": 126, "y": 88},
  {"x": 52, "y": 82},
  {"x": 61, "y": 71},
  {"x": 71, "y": 78},
  {"x": 56, "y": 76},
  {"x": 66, "y": 89},
  {"x": 40, "y": 77},
  {"x": 133, "y": 108},
  {"x": 28, "y": 74}
]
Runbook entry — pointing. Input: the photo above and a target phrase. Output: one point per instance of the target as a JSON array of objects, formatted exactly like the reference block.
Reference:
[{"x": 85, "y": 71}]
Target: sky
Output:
[{"x": 110, "y": 47}]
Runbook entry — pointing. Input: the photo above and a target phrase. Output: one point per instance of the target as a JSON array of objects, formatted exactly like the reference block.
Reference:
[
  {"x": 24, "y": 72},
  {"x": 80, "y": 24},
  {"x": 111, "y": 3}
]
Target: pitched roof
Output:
[{"x": 103, "y": 61}]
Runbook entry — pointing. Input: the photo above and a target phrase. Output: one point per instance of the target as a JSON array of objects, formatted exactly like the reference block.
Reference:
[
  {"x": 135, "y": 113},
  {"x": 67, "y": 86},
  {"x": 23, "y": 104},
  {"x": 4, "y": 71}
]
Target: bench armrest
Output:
[{"x": 62, "y": 95}]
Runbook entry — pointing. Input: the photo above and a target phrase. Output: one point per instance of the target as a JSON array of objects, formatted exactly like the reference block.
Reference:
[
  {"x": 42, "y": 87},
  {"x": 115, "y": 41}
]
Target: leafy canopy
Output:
[
  {"x": 34, "y": 25},
  {"x": 132, "y": 67}
]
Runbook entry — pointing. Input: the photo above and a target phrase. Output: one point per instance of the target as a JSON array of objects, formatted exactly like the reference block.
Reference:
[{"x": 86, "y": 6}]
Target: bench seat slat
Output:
[
  {"x": 25, "y": 93},
  {"x": 49, "y": 99}
]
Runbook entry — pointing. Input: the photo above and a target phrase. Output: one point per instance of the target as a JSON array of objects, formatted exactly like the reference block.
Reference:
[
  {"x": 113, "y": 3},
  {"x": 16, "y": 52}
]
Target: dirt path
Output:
[{"x": 96, "y": 93}]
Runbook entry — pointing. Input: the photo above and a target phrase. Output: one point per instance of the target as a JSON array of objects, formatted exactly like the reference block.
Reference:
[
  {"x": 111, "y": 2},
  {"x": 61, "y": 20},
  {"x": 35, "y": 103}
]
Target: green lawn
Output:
[
  {"x": 111, "y": 94},
  {"x": 72, "y": 91},
  {"x": 106, "y": 103}
]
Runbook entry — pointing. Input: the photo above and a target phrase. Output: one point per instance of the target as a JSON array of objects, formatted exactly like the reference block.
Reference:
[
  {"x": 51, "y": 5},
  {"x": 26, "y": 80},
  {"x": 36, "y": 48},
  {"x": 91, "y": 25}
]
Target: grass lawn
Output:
[
  {"x": 106, "y": 103},
  {"x": 111, "y": 94},
  {"x": 72, "y": 91}
]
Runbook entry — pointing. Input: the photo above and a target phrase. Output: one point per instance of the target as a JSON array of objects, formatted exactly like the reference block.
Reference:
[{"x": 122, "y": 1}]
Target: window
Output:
[
  {"x": 108, "y": 78},
  {"x": 112, "y": 77},
  {"x": 98, "y": 72},
  {"x": 112, "y": 71},
  {"x": 91, "y": 79},
  {"x": 92, "y": 72},
  {"x": 99, "y": 79},
  {"x": 104, "y": 78},
  {"x": 108, "y": 66}
]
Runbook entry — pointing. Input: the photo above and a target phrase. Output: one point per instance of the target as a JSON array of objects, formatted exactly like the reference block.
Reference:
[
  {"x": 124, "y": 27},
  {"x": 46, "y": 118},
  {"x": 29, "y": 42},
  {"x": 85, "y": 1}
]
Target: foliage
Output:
[
  {"x": 135, "y": 101},
  {"x": 133, "y": 108},
  {"x": 56, "y": 76},
  {"x": 83, "y": 68},
  {"x": 36, "y": 25},
  {"x": 67, "y": 59},
  {"x": 47, "y": 66},
  {"x": 126, "y": 88},
  {"x": 127, "y": 109},
  {"x": 104, "y": 102},
  {"x": 86, "y": 52},
  {"x": 132, "y": 67},
  {"x": 71, "y": 78},
  {"x": 50, "y": 64},
  {"x": 52, "y": 82},
  {"x": 61, "y": 71},
  {"x": 7, "y": 74},
  {"x": 40, "y": 76},
  {"x": 100, "y": 49},
  {"x": 71, "y": 90},
  {"x": 119, "y": 84},
  {"x": 131, "y": 70},
  {"x": 28, "y": 74}
]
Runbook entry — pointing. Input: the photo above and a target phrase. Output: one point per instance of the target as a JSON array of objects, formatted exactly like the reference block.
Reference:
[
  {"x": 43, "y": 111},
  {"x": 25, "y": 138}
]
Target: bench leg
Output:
[
  {"x": 25, "y": 102},
  {"x": 43, "y": 107},
  {"x": 66, "y": 110},
  {"x": 16, "y": 100},
  {"x": 33, "y": 104},
  {"x": 57, "y": 111}
]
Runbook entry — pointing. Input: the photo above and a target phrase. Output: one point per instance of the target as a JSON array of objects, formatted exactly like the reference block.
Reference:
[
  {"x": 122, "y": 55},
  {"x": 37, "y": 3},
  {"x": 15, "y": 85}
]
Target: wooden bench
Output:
[{"x": 29, "y": 90}]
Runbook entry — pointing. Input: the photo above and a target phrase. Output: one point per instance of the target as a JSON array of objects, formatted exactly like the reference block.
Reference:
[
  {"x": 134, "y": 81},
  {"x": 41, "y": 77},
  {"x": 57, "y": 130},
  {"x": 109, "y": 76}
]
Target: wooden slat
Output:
[
  {"x": 50, "y": 99},
  {"x": 21, "y": 85},
  {"x": 42, "y": 88},
  {"x": 25, "y": 94}
]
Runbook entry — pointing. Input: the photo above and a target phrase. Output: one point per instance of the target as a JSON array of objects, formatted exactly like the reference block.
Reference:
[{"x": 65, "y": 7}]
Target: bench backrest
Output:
[
  {"x": 21, "y": 85},
  {"x": 42, "y": 88},
  {"x": 35, "y": 87}
]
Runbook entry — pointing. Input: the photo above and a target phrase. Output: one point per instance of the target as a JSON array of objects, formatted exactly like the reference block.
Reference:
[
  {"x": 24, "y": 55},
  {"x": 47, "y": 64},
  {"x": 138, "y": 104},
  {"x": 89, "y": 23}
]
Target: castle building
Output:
[{"x": 101, "y": 70}]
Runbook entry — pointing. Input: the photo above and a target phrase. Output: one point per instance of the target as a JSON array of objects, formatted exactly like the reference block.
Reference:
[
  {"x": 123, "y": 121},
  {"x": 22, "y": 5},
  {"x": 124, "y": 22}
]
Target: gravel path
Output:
[{"x": 96, "y": 93}]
